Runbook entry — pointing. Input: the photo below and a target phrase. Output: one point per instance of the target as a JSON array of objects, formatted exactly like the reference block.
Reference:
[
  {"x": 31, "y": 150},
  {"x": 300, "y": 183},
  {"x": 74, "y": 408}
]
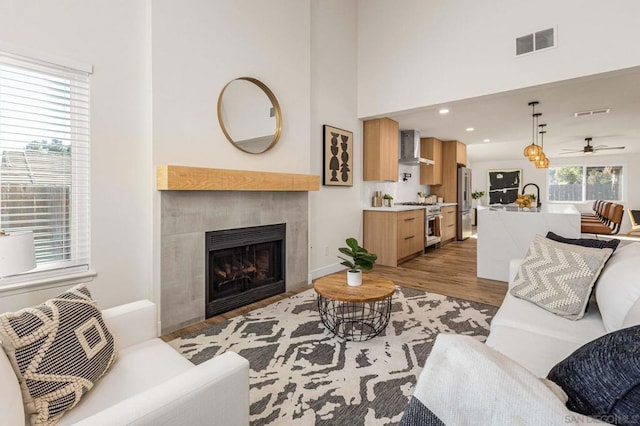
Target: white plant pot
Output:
[{"x": 354, "y": 278}]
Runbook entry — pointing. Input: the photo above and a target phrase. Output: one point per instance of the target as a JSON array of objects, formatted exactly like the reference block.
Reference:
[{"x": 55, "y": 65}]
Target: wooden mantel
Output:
[{"x": 185, "y": 178}]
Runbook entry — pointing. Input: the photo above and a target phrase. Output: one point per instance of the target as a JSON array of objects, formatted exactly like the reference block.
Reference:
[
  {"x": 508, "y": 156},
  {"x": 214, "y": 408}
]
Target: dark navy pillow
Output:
[
  {"x": 602, "y": 378},
  {"x": 585, "y": 242}
]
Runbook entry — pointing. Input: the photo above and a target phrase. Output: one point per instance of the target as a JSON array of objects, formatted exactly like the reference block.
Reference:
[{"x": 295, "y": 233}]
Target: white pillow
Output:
[
  {"x": 618, "y": 287},
  {"x": 465, "y": 382}
]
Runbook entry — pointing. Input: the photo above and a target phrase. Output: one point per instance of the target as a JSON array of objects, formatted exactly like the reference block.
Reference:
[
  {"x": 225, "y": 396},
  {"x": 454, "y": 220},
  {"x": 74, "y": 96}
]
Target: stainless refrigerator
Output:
[{"x": 464, "y": 216}]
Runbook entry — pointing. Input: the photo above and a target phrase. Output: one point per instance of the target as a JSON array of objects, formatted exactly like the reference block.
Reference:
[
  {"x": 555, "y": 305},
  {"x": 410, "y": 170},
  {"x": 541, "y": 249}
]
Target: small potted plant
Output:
[
  {"x": 477, "y": 195},
  {"x": 421, "y": 198},
  {"x": 358, "y": 259},
  {"x": 388, "y": 200}
]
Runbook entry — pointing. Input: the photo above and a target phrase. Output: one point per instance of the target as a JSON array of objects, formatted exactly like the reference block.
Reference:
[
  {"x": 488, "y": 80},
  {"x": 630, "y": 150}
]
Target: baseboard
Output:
[{"x": 325, "y": 270}]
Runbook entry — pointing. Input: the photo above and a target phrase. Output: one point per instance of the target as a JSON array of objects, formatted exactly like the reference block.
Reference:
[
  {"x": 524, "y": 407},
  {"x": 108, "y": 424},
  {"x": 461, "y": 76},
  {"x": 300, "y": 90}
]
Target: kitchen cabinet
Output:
[
  {"x": 448, "y": 224},
  {"x": 380, "y": 140},
  {"x": 461, "y": 153},
  {"x": 452, "y": 153},
  {"x": 394, "y": 235},
  {"x": 431, "y": 149}
]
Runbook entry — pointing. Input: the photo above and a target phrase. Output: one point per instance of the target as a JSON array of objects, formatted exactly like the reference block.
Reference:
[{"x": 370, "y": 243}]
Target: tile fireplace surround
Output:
[{"x": 187, "y": 215}]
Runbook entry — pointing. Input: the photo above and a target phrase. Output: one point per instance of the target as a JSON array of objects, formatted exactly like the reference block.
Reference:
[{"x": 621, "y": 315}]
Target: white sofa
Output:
[
  {"x": 538, "y": 339},
  {"x": 500, "y": 383},
  {"x": 150, "y": 383}
]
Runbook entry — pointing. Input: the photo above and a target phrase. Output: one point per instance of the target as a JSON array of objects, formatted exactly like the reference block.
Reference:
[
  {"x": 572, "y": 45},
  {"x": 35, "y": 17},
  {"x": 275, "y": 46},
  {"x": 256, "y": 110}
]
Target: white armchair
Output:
[{"x": 150, "y": 384}]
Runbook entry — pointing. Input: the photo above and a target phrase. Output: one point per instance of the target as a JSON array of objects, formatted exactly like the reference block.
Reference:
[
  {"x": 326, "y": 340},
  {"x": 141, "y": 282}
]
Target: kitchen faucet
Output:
[{"x": 538, "y": 203}]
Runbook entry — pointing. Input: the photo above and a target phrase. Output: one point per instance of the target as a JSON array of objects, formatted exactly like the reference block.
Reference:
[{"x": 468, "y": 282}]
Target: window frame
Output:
[
  {"x": 584, "y": 167},
  {"x": 78, "y": 268}
]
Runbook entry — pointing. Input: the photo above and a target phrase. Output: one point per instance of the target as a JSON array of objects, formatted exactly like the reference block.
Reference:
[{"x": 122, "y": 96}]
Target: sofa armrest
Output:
[
  {"x": 214, "y": 392},
  {"x": 132, "y": 323},
  {"x": 514, "y": 265}
]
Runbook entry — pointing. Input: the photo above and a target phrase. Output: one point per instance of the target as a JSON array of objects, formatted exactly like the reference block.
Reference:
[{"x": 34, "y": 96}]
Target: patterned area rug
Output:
[{"x": 302, "y": 374}]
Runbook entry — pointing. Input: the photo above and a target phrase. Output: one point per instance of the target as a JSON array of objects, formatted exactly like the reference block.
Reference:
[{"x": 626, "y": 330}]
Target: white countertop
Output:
[
  {"x": 547, "y": 208},
  {"x": 402, "y": 208}
]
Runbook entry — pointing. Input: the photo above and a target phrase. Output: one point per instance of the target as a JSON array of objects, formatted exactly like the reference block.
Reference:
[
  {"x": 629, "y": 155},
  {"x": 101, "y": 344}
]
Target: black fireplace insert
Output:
[{"x": 243, "y": 266}]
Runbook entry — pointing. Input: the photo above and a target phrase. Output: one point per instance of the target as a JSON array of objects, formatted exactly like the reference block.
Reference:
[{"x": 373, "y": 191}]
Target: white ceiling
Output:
[{"x": 506, "y": 120}]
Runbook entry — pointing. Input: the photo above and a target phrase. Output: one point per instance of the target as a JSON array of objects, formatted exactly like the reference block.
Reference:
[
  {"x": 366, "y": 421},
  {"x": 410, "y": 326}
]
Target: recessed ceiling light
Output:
[
  {"x": 469, "y": 129},
  {"x": 444, "y": 111},
  {"x": 486, "y": 140}
]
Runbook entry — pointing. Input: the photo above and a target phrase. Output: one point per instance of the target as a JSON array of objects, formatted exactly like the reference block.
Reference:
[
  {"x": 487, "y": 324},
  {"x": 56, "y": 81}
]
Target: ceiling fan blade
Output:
[
  {"x": 571, "y": 152},
  {"x": 610, "y": 147}
]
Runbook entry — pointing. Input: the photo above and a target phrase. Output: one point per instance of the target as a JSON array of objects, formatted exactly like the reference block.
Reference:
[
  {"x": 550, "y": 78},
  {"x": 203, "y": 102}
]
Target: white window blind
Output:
[{"x": 44, "y": 169}]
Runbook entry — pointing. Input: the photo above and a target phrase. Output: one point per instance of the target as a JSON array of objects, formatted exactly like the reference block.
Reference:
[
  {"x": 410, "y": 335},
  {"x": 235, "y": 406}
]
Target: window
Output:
[
  {"x": 44, "y": 169},
  {"x": 585, "y": 183}
]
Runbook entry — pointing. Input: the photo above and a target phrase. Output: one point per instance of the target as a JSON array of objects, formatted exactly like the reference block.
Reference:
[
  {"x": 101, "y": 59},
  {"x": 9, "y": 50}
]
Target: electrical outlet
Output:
[{"x": 326, "y": 250}]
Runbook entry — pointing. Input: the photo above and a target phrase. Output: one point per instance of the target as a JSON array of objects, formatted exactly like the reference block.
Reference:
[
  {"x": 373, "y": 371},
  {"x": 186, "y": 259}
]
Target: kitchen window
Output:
[
  {"x": 585, "y": 183},
  {"x": 44, "y": 169}
]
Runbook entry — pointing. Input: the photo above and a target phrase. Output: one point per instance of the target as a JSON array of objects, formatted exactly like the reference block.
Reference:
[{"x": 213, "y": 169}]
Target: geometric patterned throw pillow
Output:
[
  {"x": 58, "y": 350},
  {"x": 559, "y": 277}
]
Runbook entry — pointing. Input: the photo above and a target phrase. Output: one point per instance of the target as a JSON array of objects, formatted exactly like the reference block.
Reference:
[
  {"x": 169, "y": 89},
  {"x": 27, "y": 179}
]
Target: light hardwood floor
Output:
[{"x": 450, "y": 270}]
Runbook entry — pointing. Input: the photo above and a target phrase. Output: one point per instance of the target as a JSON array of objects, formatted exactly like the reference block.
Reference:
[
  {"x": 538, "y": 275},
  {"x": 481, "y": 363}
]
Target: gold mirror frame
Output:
[{"x": 274, "y": 103}]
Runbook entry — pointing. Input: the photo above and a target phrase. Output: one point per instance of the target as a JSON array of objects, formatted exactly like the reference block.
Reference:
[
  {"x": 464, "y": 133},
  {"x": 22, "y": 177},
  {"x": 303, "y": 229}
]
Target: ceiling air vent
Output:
[
  {"x": 592, "y": 112},
  {"x": 537, "y": 41}
]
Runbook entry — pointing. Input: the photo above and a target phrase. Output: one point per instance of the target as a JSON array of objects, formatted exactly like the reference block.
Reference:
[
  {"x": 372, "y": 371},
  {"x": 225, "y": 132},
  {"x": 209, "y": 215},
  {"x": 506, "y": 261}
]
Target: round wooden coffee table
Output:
[{"x": 354, "y": 313}]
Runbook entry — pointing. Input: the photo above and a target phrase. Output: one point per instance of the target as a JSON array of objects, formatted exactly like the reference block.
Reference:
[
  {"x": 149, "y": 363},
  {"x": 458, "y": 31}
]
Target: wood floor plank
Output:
[{"x": 450, "y": 270}]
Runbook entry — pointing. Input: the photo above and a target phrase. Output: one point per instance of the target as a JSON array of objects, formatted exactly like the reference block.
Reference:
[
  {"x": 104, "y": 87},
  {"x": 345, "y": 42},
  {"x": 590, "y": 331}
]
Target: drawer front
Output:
[
  {"x": 448, "y": 223},
  {"x": 448, "y": 232},
  {"x": 410, "y": 232}
]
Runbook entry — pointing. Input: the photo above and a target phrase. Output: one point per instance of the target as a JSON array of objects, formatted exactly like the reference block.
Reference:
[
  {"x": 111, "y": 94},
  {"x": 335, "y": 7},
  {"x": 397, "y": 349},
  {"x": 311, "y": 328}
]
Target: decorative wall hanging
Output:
[
  {"x": 504, "y": 185},
  {"x": 338, "y": 157}
]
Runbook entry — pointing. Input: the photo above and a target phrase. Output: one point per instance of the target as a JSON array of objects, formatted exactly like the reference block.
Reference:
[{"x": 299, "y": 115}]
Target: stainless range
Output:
[
  {"x": 433, "y": 226},
  {"x": 433, "y": 223}
]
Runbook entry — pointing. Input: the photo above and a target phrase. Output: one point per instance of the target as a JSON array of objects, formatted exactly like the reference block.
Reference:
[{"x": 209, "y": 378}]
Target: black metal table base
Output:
[{"x": 355, "y": 321}]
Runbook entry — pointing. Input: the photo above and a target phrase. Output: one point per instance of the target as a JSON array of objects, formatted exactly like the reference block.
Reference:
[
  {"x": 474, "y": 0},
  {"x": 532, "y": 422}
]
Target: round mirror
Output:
[{"x": 249, "y": 115}]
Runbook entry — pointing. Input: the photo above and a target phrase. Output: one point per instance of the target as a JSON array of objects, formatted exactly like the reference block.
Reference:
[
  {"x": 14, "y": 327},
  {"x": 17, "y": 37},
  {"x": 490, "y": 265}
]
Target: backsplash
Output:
[{"x": 401, "y": 191}]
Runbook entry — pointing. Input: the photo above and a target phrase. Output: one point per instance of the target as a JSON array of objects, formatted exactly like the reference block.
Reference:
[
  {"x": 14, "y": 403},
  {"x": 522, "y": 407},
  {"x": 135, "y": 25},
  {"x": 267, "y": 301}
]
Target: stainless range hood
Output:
[{"x": 410, "y": 148}]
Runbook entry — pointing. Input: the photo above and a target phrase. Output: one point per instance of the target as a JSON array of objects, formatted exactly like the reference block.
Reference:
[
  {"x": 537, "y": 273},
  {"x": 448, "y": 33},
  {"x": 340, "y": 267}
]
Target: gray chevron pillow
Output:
[{"x": 559, "y": 277}]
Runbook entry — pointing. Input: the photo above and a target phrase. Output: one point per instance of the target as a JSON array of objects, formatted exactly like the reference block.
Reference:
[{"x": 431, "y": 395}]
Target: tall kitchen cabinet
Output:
[
  {"x": 380, "y": 140},
  {"x": 453, "y": 153},
  {"x": 431, "y": 149}
]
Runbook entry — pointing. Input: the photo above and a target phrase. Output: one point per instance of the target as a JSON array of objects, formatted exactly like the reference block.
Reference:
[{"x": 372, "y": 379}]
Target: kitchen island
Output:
[{"x": 506, "y": 232}]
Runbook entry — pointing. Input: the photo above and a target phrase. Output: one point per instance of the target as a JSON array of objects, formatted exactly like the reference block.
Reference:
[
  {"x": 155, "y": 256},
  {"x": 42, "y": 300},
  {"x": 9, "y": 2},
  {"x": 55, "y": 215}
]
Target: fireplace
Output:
[{"x": 243, "y": 266}]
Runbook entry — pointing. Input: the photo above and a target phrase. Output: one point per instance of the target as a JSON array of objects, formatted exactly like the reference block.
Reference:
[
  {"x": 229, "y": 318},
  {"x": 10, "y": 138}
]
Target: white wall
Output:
[
  {"x": 335, "y": 212},
  {"x": 198, "y": 47},
  {"x": 415, "y": 53},
  {"x": 190, "y": 51},
  {"x": 113, "y": 36},
  {"x": 631, "y": 197},
  {"x": 401, "y": 191}
]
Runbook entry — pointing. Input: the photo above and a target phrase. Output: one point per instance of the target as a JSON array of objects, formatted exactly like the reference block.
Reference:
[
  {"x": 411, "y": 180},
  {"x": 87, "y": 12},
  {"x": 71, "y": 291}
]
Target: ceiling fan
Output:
[{"x": 589, "y": 149}]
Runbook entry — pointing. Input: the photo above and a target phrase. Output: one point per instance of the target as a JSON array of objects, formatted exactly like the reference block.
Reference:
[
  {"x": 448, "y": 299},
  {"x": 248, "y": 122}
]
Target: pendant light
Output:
[
  {"x": 543, "y": 161},
  {"x": 540, "y": 152},
  {"x": 533, "y": 149}
]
